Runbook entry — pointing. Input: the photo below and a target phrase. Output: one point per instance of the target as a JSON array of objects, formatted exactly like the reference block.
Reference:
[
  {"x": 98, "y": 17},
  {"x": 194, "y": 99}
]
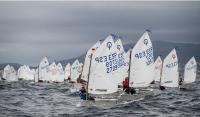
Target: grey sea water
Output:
[{"x": 25, "y": 98}]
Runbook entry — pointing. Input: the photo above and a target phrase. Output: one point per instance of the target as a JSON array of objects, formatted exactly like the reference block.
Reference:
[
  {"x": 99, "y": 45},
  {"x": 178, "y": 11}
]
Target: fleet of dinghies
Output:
[
  {"x": 106, "y": 66},
  {"x": 25, "y": 73}
]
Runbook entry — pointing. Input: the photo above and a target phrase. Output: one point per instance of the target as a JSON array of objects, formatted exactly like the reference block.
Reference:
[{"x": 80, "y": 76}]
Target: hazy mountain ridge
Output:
[
  {"x": 161, "y": 48},
  {"x": 184, "y": 51}
]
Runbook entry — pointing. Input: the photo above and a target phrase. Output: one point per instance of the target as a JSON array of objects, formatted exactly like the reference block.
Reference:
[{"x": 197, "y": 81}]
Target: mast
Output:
[
  {"x": 129, "y": 68},
  {"x": 161, "y": 87},
  {"x": 88, "y": 76}
]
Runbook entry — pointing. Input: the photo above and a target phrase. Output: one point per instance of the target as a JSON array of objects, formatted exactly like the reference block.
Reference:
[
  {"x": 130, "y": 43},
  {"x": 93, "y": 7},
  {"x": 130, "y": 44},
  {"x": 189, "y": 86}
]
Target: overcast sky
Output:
[{"x": 62, "y": 30}]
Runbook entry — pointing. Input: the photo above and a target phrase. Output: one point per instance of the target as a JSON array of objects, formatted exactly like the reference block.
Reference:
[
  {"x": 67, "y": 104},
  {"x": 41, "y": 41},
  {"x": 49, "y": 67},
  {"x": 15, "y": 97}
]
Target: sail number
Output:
[
  {"x": 172, "y": 64},
  {"x": 112, "y": 62},
  {"x": 191, "y": 67},
  {"x": 148, "y": 53}
]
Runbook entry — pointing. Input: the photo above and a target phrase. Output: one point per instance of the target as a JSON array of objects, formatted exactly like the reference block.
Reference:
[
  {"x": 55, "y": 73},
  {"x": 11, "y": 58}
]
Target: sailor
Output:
[
  {"x": 125, "y": 83},
  {"x": 162, "y": 87},
  {"x": 82, "y": 93},
  {"x": 181, "y": 81}
]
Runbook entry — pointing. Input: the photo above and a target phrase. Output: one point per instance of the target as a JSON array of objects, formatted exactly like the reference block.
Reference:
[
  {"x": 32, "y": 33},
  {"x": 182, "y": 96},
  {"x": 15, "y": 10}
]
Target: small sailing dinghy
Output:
[
  {"x": 60, "y": 73},
  {"x": 52, "y": 72},
  {"x": 170, "y": 75},
  {"x": 141, "y": 70},
  {"x": 76, "y": 70},
  {"x": 157, "y": 73},
  {"x": 102, "y": 74},
  {"x": 190, "y": 72},
  {"x": 9, "y": 74},
  {"x": 157, "y": 69},
  {"x": 43, "y": 70}
]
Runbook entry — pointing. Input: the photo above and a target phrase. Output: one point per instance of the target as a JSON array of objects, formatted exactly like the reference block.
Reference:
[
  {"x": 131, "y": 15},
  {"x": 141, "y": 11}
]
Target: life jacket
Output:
[
  {"x": 125, "y": 83},
  {"x": 82, "y": 95}
]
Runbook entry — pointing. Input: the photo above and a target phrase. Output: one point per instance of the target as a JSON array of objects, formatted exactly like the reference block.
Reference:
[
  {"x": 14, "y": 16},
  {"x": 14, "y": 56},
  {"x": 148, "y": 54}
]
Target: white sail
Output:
[
  {"x": 122, "y": 72},
  {"x": 75, "y": 70},
  {"x": 32, "y": 74},
  {"x": 52, "y": 74},
  {"x": 141, "y": 67},
  {"x": 9, "y": 74},
  {"x": 22, "y": 72},
  {"x": 157, "y": 69},
  {"x": 60, "y": 73},
  {"x": 190, "y": 71},
  {"x": 67, "y": 71},
  {"x": 170, "y": 74},
  {"x": 102, "y": 77},
  {"x": 86, "y": 65},
  {"x": 43, "y": 69},
  {"x": 25, "y": 73}
]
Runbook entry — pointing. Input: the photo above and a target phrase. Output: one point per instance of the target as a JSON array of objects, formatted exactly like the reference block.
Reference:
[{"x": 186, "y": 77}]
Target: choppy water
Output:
[{"x": 41, "y": 99}]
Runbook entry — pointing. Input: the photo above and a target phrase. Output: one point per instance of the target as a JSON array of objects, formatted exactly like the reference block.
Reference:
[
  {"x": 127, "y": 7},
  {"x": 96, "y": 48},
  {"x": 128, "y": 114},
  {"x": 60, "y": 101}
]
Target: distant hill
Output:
[
  {"x": 184, "y": 50},
  {"x": 65, "y": 62}
]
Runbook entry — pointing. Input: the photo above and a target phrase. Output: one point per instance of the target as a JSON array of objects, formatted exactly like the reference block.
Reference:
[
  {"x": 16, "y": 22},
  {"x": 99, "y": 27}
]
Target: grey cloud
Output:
[{"x": 64, "y": 30}]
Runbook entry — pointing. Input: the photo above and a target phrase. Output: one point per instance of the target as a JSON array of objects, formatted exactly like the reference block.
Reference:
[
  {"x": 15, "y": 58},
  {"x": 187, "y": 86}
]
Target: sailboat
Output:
[
  {"x": 170, "y": 75},
  {"x": 141, "y": 69},
  {"x": 9, "y": 74},
  {"x": 67, "y": 72},
  {"x": 190, "y": 72},
  {"x": 157, "y": 69},
  {"x": 43, "y": 68},
  {"x": 76, "y": 70},
  {"x": 52, "y": 73},
  {"x": 86, "y": 65},
  {"x": 103, "y": 72},
  {"x": 60, "y": 73}
]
